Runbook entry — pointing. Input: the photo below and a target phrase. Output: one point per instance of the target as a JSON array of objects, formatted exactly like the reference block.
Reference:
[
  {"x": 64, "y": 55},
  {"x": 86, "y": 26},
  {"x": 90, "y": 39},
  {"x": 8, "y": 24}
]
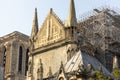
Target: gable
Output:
[
  {"x": 51, "y": 31},
  {"x": 13, "y": 35}
]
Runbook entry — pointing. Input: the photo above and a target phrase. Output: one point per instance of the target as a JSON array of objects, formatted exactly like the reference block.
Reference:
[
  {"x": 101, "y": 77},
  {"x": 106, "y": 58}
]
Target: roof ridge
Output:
[
  {"x": 53, "y": 13},
  {"x": 13, "y": 33},
  {"x": 60, "y": 21}
]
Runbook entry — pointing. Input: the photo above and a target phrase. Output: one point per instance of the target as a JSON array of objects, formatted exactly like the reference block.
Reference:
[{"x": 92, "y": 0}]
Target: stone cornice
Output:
[
  {"x": 13, "y": 35},
  {"x": 52, "y": 46}
]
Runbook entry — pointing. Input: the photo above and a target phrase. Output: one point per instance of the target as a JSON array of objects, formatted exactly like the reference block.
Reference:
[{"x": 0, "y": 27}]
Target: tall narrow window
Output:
[
  {"x": 26, "y": 67},
  {"x": 68, "y": 55},
  {"x": 20, "y": 59},
  {"x": 4, "y": 58},
  {"x": 72, "y": 32}
]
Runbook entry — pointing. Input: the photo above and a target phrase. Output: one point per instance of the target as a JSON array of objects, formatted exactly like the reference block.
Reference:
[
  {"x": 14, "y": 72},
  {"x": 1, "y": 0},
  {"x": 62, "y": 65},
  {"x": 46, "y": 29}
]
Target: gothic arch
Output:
[
  {"x": 72, "y": 53},
  {"x": 20, "y": 59},
  {"x": 2, "y": 53},
  {"x": 26, "y": 62},
  {"x": 23, "y": 51},
  {"x": 4, "y": 57},
  {"x": 68, "y": 55},
  {"x": 61, "y": 78}
]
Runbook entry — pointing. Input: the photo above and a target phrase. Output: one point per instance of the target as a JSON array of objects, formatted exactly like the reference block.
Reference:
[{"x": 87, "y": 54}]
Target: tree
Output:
[
  {"x": 116, "y": 73},
  {"x": 99, "y": 76}
]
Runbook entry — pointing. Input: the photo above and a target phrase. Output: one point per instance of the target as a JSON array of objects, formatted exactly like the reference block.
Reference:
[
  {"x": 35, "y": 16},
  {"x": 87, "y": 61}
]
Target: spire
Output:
[
  {"x": 34, "y": 25},
  {"x": 71, "y": 20},
  {"x": 51, "y": 10}
]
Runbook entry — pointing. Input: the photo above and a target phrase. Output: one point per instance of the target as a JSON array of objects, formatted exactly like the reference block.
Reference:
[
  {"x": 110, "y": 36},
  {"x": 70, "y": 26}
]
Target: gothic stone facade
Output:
[
  {"x": 55, "y": 42},
  {"x": 14, "y": 55},
  {"x": 49, "y": 45},
  {"x": 58, "y": 50}
]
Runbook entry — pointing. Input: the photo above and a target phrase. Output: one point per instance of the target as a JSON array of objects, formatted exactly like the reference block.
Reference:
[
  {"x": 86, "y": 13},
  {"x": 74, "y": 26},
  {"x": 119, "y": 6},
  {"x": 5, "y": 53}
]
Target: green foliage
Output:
[
  {"x": 100, "y": 76},
  {"x": 116, "y": 73}
]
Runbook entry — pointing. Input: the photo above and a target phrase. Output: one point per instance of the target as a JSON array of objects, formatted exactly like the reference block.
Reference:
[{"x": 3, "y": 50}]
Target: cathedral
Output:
[{"x": 70, "y": 50}]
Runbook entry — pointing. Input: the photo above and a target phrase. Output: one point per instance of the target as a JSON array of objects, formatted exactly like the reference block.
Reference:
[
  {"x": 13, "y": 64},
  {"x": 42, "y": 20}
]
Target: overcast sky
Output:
[{"x": 17, "y": 15}]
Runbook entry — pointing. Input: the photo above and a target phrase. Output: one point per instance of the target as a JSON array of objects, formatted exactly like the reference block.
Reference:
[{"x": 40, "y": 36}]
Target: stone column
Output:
[{"x": 7, "y": 71}]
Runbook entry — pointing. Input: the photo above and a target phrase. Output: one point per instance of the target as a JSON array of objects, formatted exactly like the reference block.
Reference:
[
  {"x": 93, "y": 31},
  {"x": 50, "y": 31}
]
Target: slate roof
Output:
[{"x": 81, "y": 58}]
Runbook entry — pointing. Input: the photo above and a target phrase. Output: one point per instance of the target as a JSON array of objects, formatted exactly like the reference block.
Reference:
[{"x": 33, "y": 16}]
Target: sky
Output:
[{"x": 17, "y": 15}]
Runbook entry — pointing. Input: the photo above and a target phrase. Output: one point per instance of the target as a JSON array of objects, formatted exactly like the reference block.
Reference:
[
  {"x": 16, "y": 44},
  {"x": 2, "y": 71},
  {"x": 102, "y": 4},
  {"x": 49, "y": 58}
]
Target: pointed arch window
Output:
[
  {"x": 20, "y": 59},
  {"x": 4, "y": 58},
  {"x": 68, "y": 55},
  {"x": 61, "y": 78},
  {"x": 26, "y": 67}
]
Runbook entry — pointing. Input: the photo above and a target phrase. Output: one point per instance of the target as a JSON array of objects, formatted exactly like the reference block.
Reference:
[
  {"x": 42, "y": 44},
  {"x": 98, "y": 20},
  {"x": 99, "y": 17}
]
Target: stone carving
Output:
[
  {"x": 71, "y": 50},
  {"x": 84, "y": 71},
  {"x": 50, "y": 72},
  {"x": 30, "y": 67},
  {"x": 40, "y": 71}
]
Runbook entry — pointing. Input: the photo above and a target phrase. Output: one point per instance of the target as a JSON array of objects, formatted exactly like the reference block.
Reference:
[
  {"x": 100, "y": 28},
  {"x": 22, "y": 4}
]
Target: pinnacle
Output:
[{"x": 71, "y": 20}]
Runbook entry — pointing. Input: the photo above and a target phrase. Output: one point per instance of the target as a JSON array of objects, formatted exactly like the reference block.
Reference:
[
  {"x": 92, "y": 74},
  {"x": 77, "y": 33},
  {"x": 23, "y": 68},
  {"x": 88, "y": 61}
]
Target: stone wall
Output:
[
  {"x": 10, "y": 55},
  {"x": 1, "y": 73},
  {"x": 51, "y": 59}
]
